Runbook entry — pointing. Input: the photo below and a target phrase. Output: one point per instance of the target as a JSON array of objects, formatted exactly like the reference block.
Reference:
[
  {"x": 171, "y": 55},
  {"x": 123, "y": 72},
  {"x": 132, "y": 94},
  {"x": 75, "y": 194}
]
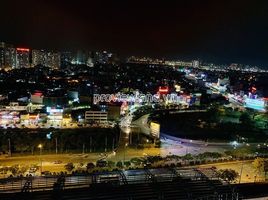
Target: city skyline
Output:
[
  {"x": 221, "y": 32},
  {"x": 9, "y": 57},
  {"x": 133, "y": 100}
]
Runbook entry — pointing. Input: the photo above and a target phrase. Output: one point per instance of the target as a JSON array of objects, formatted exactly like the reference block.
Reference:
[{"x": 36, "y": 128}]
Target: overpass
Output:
[{"x": 142, "y": 122}]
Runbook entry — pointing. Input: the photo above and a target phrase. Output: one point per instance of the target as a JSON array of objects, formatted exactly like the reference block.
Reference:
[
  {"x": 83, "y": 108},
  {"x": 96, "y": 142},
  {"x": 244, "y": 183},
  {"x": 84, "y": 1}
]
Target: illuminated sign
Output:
[
  {"x": 54, "y": 110},
  {"x": 23, "y": 49},
  {"x": 155, "y": 129},
  {"x": 257, "y": 104},
  {"x": 163, "y": 89},
  {"x": 177, "y": 88}
]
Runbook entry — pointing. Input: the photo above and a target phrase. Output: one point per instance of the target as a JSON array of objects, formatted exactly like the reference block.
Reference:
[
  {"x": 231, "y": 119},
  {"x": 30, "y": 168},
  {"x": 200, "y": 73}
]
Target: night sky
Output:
[{"x": 215, "y": 31}]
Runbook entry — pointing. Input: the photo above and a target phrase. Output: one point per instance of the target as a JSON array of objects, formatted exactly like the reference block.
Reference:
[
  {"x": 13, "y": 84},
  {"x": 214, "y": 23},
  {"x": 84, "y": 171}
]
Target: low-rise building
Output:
[{"x": 96, "y": 116}]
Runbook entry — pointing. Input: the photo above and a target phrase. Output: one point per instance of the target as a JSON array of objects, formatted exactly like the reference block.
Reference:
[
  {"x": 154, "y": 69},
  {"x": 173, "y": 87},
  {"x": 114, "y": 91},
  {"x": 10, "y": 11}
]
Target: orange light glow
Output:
[
  {"x": 23, "y": 49},
  {"x": 163, "y": 89}
]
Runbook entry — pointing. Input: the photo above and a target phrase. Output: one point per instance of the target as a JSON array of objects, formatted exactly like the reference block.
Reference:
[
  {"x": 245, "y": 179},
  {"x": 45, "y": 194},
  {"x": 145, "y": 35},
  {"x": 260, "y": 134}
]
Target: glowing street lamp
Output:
[
  {"x": 234, "y": 144},
  {"x": 126, "y": 144},
  {"x": 40, "y": 146}
]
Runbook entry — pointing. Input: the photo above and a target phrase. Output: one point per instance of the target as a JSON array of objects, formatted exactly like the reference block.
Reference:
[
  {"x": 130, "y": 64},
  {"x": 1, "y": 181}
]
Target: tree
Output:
[
  {"x": 213, "y": 115},
  {"x": 245, "y": 120},
  {"x": 127, "y": 163},
  {"x": 260, "y": 164},
  {"x": 4, "y": 170},
  {"x": 69, "y": 167},
  {"x": 119, "y": 164},
  {"x": 23, "y": 169},
  {"x": 228, "y": 174},
  {"x": 90, "y": 166},
  {"x": 111, "y": 163},
  {"x": 14, "y": 169},
  {"x": 188, "y": 156}
]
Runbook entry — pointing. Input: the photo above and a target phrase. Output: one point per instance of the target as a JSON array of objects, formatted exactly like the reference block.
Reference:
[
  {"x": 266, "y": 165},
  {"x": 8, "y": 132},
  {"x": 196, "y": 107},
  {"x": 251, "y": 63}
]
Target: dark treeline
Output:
[
  {"x": 67, "y": 140},
  {"x": 209, "y": 126}
]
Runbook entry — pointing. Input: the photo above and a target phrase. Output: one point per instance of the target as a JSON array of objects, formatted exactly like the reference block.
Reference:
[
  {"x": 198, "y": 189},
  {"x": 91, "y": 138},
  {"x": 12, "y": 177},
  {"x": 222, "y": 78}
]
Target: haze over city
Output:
[{"x": 221, "y": 32}]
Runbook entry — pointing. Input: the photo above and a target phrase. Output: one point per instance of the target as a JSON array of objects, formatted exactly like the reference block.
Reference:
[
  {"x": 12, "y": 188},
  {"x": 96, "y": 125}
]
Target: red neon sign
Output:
[
  {"x": 23, "y": 49},
  {"x": 163, "y": 89}
]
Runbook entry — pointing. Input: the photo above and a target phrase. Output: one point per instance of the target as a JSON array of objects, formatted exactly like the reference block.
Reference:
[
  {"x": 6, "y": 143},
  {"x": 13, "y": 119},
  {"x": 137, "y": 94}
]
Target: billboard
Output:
[
  {"x": 256, "y": 104},
  {"x": 155, "y": 129}
]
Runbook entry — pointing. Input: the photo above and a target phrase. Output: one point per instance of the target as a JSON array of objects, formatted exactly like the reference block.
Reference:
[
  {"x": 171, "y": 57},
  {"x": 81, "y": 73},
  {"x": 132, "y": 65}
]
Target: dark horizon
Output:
[{"x": 213, "y": 31}]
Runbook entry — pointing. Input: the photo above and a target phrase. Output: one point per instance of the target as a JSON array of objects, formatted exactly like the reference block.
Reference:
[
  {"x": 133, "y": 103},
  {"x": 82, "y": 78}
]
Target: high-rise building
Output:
[
  {"x": 22, "y": 58},
  {"x": 65, "y": 58},
  {"x": 10, "y": 56},
  {"x": 196, "y": 63},
  {"x": 38, "y": 57},
  {"x": 53, "y": 60},
  {"x": 2, "y": 54},
  {"x": 102, "y": 57},
  {"x": 46, "y": 58},
  {"x": 80, "y": 57}
]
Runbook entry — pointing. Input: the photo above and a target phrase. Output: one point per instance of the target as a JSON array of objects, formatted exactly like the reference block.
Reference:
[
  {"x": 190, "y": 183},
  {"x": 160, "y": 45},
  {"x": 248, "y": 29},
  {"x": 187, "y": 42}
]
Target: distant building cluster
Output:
[
  {"x": 46, "y": 58},
  {"x": 146, "y": 60},
  {"x": 12, "y": 57},
  {"x": 196, "y": 64},
  {"x": 88, "y": 58}
]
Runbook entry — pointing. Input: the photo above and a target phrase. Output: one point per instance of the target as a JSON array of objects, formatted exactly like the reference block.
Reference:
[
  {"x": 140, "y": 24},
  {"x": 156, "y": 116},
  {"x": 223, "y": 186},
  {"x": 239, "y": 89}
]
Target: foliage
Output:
[
  {"x": 14, "y": 169},
  {"x": 90, "y": 166},
  {"x": 209, "y": 155},
  {"x": 246, "y": 121},
  {"x": 228, "y": 174},
  {"x": 127, "y": 163},
  {"x": 111, "y": 163},
  {"x": 69, "y": 167},
  {"x": 213, "y": 115},
  {"x": 136, "y": 161},
  {"x": 23, "y": 169},
  {"x": 188, "y": 156},
  {"x": 27, "y": 140},
  {"x": 153, "y": 159},
  {"x": 119, "y": 164},
  {"x": 259, "y": 164}
]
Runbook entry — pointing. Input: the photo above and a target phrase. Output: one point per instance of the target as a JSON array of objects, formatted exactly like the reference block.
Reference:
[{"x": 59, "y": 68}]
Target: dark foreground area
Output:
[
  {"x": 175, "y": 190},
  {"x": 161, "y": 184}
]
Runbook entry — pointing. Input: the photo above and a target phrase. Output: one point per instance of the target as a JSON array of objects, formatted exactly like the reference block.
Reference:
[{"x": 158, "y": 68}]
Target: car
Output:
[
  {"x": 46, "y": 173},
  {"x": 57, "y": 162},
  {"x": 101, "y": 163},
  {"x": 32, "y": 170}
]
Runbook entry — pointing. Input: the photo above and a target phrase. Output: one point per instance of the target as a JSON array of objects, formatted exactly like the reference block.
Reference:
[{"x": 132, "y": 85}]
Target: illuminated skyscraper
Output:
[
  {"x": 196, "y": 63},
  {"x": 10, "y": 56},
  {"x": 53, "y": 60},
  {"x": 38, "y": 57},
  {"x": 46, "y": 58},
  {"x": 22, "y": 58}
]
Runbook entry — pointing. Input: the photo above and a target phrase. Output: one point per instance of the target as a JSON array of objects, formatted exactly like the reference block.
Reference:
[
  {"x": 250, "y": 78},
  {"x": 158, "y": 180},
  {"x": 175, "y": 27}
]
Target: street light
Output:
[
  {"x": 241, "y": 172},
  {"x": 125, "y": 153},
  {"x": 9, "y": 147},
  {"x": 234, "y": 144},
  {"x": 40, "y": 146}
]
